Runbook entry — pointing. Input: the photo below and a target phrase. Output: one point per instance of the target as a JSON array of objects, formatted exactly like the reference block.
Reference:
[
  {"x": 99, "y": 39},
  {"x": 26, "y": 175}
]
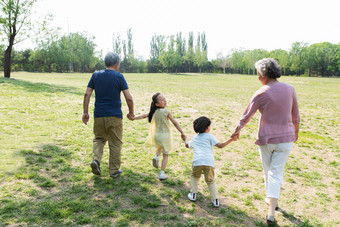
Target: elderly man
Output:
[{"x": 108, "y": 126}]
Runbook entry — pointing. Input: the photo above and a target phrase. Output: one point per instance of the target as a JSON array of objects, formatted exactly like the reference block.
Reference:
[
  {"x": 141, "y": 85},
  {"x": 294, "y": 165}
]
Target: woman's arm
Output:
[
  {"x": 295, "y": 115},
  {"x": 249, "y": 112},
  {"x": 296, "y": 126}
]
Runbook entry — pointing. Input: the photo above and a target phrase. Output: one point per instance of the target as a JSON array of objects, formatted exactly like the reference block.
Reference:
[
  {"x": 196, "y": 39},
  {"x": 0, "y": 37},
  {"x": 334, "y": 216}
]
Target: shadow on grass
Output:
[
  {"x": 41, "y": 87},
  {"x": 55, "y": 189},
  {"x": 293, "y": 219}
]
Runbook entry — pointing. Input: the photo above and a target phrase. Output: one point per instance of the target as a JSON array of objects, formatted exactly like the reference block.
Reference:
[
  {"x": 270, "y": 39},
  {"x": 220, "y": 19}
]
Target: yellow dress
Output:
[{"x": 160, "y": 134}]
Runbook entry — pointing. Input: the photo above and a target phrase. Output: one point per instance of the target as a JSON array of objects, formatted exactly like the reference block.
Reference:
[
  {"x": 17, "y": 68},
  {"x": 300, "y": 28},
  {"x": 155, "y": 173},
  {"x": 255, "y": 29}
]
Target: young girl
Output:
[{"x": 160, "y": 134}]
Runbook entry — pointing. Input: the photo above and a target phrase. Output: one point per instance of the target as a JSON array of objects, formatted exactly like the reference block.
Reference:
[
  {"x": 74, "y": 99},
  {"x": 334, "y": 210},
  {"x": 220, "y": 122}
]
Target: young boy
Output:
[{"x": 203, "y": 160}]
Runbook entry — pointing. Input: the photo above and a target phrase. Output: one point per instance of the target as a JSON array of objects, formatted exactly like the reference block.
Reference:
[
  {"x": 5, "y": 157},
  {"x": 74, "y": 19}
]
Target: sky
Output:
[{"x": 228, "y": 24}]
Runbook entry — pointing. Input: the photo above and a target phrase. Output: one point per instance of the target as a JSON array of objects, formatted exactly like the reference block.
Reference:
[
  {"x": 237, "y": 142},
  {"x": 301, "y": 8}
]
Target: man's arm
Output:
[
  {"x": 129, "y": 102},
  {"x": 86, "y": 103}
]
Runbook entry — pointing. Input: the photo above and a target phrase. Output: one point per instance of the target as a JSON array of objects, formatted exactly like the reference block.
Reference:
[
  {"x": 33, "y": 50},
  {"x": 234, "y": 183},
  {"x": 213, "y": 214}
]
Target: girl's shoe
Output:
[
  {"x": 216, "y": 203},
  {"x": 192, "y": 196},
  {"x": 162, "y": 175},
  {"x": 270, "y": 220},
  {"x": 155, "y": 162},
  {"x": 267, "y": 201}
]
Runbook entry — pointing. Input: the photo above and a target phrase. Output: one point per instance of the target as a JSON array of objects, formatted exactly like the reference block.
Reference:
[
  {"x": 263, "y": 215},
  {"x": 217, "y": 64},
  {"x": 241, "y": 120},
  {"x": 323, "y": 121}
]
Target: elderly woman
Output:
[{"x": 278, "y": 127}]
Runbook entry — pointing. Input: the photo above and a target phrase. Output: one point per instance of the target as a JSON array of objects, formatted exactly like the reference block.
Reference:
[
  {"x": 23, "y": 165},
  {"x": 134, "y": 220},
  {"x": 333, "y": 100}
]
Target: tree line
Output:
[{"x": 171, "y": 54}]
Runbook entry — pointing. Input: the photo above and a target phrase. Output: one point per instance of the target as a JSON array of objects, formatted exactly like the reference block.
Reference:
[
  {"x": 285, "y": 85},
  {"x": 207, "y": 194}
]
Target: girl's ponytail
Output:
[{"x": 153, "y": 106}]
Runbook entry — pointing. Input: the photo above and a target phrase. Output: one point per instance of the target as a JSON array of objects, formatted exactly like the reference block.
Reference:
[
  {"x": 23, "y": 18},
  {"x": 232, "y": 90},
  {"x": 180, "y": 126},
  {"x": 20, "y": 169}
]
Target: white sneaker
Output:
[
  {"x": 155, "y": 162},
  {"x": 216, "y": 203},
  {"x": 192, "y": 196},
  {"x": 162, "y": 175}
]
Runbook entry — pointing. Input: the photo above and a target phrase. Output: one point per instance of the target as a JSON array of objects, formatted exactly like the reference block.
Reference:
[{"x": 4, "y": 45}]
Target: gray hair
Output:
[
  {"x": 268, "y": 67},
  {"x": 111, "y": 59}
]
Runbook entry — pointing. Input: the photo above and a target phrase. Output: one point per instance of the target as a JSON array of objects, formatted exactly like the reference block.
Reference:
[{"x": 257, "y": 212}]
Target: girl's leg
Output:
[
  {"x": 155, "y": 160},
  {"x": 159, "y": 151},
  {"x": 164, "y": 161}
]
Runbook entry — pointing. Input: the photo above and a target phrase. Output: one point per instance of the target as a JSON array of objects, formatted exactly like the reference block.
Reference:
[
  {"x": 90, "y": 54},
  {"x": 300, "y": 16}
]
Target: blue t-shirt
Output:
[
  {"x": 108, "y": 85},
  {"x": 203, "y": 144}
]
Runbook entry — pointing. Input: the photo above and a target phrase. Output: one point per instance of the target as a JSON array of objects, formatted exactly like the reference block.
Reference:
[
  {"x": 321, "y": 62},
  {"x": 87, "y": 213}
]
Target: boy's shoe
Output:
[
  {"x": 155, "y": 162},
  {"x": 216, "y": 203},
  {"x": 267, "y": 201},
  {"x": 95, "y": 167},
  {"x": 162, "y": 175},
  {"x": 192, "y": 196},
  {"x": 116, "y": 174}
]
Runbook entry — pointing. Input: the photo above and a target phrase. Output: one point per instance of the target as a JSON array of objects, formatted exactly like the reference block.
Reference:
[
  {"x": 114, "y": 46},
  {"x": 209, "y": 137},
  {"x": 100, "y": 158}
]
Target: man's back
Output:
[{"x": 107, "y": 85}]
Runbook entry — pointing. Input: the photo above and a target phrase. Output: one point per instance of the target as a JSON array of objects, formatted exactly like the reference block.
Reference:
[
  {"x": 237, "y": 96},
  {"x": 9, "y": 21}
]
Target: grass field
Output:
[{"x": 45, "y": 150}]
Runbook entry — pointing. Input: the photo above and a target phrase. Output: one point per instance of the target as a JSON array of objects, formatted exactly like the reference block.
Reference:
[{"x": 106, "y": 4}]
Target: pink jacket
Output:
[{"x": 279, "y": 110}]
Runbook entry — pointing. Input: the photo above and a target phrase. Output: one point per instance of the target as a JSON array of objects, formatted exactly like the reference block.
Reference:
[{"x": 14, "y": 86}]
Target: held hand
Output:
[
  {"x": 131, "y": 116},
  {"x": 85, "y": 118},
  {"x": 235, "y": 136},
  {"x": 236, "y": 133}
]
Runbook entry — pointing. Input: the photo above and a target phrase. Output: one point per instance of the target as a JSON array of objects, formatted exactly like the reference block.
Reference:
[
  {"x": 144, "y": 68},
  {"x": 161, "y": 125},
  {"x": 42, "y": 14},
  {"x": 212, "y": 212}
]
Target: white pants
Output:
[{"x": 274, "y": 158}]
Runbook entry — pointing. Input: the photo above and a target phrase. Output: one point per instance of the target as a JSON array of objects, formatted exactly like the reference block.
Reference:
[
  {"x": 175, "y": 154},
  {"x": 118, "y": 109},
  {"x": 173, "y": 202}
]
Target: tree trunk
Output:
[
  {"x": 8, "y": 55},
  {"x": 7, "y": 61}
]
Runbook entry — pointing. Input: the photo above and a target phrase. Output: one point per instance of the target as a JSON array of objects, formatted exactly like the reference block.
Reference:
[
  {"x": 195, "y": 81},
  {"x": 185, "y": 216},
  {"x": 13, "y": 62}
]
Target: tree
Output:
[
  {"x": 252, "y": 56},
  {"x": 201, "y": 58},
  {"x": 296, "y": 53},
  {"x": 236, "y": 60},
  {"x": 47, "y": 44},
  {"x": 14, "y": 19},
  {"x": 169, "y": 58},
  {"x": 320, "y": 59},
  {"x": 204, "y": 49},
  {"x": 283, "y": 58},
  {"x": 222, "y": 61},
  {"x": 190, "y": 55},
  {"x": 180, "y": 50},
  {"x": 129, "y": 63},
  {"x": 157, "y": 46},
  {"x": 116, "y": 44}
]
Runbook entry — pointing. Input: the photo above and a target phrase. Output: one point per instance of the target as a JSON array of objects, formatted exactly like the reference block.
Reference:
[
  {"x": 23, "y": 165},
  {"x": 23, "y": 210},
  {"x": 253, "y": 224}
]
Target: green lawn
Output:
[{"x": 45, "y": 150}]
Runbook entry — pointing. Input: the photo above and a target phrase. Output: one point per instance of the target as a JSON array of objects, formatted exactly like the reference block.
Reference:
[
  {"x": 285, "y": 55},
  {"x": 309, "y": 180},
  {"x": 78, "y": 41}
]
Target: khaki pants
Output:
[
  {"x": 209, "y": 177},
  {"x": 108, "y": 129}
]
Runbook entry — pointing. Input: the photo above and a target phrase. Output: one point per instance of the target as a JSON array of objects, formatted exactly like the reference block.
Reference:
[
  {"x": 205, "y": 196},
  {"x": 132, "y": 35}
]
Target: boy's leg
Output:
[
  {"x": 209, "y": 177},
  {"x": 195, "y": 176}
]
